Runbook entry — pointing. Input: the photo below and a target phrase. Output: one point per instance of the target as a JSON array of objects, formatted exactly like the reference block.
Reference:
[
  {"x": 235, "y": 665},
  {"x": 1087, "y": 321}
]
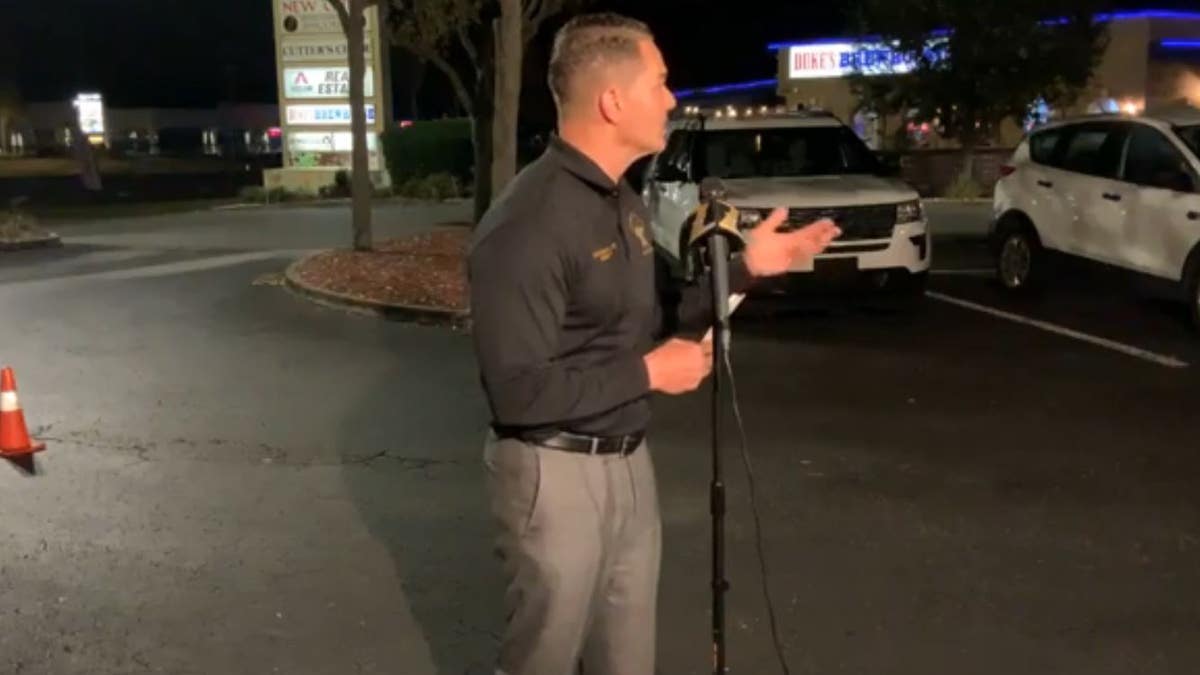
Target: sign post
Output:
[{"x": 313, "y": 79}]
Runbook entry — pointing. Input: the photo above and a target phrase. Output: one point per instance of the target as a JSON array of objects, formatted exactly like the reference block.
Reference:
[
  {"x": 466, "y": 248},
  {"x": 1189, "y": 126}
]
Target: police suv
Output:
[{"x": 815, "y": 166}]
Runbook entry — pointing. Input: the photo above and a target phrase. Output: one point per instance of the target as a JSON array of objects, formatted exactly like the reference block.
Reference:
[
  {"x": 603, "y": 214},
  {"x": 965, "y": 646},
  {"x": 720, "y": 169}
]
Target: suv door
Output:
[
  {"x": 1164, "y": 222},
  {"x": 1036, "y": 192},
  {"x": 671, "y": 193},
  {"x": 1090, "y": 160},
  {"x": 1094, "y": 192}
]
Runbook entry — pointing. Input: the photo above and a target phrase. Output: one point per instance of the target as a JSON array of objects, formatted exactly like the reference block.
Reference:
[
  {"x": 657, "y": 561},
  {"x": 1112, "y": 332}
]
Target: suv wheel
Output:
[{"x": 1019, "y": 259}]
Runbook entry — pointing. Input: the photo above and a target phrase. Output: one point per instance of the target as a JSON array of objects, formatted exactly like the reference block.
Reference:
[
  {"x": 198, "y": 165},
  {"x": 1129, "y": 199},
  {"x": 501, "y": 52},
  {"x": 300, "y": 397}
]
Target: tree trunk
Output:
[
  {"x": 360, "y": 184},
  {"x": 481, "y": 132},
  {"x": 968, "y": 161},
  {"x": 507, "y": 33},
  {"x": 4, "y": 133},
  {"x": 481, "y": 136}
]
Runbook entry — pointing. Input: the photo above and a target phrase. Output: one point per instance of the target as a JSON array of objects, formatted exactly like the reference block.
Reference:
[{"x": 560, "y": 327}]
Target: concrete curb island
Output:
[
  {"x": 456, "y": 319},
  {"x": 25, "y": 244}
]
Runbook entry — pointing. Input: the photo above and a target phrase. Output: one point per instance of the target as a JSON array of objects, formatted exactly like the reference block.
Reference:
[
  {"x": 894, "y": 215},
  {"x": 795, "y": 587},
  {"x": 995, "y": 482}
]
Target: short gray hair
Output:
[{"x": 591, "y": 40}]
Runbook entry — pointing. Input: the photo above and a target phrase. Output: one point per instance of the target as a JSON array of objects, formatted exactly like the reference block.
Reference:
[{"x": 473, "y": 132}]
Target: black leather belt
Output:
[{"x": 591, "y": 445}]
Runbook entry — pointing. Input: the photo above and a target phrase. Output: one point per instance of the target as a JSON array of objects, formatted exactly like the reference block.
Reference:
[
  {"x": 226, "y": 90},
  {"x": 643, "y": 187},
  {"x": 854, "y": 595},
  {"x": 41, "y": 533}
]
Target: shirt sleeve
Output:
[
  {"x": 685, "y": 305},
  {"x": 519, "y": 285}
]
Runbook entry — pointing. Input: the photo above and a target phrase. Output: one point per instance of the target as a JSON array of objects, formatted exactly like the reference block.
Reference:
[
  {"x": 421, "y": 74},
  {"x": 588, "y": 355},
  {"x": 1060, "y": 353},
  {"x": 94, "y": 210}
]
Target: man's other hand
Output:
[
  {"x": 770, "y": 252},
  {"x": 679, "y": 366}
]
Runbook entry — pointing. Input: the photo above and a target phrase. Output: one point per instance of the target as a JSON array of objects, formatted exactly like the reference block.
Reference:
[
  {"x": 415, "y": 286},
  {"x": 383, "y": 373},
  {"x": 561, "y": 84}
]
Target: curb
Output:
[
  {"x": 458, "y": 320},
  {"x": 975, "y": 201},
  {"x": 45, "y": 242},
  {"x": 332, "y": 202}
]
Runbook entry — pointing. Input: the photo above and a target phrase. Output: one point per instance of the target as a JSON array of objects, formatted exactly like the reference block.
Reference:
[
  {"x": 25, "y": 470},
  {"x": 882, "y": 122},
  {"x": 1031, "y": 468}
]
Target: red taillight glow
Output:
[
  {"x": 1007, "y": 170},
  {"x": 274, "y": 132}
]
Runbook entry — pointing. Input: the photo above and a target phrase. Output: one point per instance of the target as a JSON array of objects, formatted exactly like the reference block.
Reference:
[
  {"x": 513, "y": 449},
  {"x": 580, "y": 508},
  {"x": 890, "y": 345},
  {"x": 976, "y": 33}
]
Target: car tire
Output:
[{"x": 1020, "y": 258}]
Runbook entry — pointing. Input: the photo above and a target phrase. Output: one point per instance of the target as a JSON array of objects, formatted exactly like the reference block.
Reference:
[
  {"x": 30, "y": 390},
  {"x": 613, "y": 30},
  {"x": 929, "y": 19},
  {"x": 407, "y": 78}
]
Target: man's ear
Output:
[{"x": 610, "y": 104}]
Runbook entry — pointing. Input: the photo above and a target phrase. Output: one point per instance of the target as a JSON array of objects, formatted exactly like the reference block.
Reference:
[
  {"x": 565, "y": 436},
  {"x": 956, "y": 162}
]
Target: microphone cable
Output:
[{"x": 762, "y": 558}]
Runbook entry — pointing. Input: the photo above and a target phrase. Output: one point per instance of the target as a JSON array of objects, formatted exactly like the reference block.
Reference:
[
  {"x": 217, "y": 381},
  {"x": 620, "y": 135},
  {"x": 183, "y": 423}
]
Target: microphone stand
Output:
[
  {"x": 718, "y": 252},
  {"x": 713, "y": 245}
]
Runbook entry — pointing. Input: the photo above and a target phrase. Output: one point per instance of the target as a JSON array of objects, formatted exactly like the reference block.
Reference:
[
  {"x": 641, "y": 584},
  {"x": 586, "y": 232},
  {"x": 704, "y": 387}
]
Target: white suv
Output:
[
  {"x": 815, "y": 166},
  {"x": 1121, "y": 191}
]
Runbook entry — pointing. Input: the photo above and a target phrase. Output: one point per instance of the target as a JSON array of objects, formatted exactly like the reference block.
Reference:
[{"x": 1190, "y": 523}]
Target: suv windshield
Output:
[
  {"x": 786, "y": 151},
  {"x": 1191, "y": 136}
]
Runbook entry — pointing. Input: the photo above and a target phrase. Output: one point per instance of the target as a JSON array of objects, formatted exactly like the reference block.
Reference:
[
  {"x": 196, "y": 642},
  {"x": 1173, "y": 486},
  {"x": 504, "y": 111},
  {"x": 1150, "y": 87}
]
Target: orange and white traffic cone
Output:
[{"x": 14, "y": 437}]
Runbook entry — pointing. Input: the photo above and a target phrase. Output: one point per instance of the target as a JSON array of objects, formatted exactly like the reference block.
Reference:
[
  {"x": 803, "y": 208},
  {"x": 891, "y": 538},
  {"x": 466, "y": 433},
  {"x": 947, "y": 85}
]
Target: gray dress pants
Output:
[{"x": 580, "y": 538}]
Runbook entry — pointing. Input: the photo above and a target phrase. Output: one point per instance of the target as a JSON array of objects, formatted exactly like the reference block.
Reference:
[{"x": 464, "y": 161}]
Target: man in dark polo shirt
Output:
[{"x": 573, "y": 318}]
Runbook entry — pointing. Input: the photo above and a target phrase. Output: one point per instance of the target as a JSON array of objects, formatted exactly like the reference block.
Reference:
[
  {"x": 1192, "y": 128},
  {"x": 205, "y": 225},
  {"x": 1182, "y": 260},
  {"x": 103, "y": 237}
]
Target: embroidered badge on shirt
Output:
[
  {"x": 605, "y": 254},
  {"x": 639, "y": 229}
]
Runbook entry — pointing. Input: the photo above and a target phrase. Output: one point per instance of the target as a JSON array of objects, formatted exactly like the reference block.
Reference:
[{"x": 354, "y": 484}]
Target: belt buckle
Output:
[{"x": 595, "y": 444}]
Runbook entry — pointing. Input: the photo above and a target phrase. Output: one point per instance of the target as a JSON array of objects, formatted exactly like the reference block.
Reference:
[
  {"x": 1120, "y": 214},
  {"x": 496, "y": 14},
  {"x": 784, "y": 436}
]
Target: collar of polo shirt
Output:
[{"x": 581, "y": 165}]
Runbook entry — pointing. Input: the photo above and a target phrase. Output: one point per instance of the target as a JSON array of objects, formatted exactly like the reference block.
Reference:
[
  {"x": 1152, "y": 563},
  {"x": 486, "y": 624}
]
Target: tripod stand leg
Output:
[
  {"x": 717, "y": 508},
  {"x": 719, "y": 585}
]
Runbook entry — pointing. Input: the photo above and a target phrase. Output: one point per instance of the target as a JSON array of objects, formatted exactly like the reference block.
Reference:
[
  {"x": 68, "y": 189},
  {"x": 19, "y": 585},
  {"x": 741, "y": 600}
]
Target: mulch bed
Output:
[
  {"x": 425, "y": 270},
  {"x": 22, "y": 233}
]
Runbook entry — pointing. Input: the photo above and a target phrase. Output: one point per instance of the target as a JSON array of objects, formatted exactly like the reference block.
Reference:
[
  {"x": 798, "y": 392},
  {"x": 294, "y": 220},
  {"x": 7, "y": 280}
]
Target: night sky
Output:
[{"x": 174, "y": 53}]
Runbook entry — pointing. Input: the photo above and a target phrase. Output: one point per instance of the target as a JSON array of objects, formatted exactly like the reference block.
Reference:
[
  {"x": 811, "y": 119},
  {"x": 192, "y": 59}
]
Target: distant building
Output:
[
  {"x": 1153, "y": 60},
  {"x": 232, "y": 129}
]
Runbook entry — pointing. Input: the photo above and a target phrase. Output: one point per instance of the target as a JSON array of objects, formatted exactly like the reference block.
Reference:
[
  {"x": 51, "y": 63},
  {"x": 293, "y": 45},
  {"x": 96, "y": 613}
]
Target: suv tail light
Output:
[{"x": 1007, "y": 170}]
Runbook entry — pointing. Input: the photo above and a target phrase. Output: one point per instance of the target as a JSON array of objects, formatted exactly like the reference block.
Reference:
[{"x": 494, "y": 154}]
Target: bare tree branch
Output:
[
  {"x": 468, "y": 46},
  {"x": 460, "y": 89},
  {"x": 343, "y": 14},
  {"x": 536, "y": 13},
  {"x": 532, "y": 7}
]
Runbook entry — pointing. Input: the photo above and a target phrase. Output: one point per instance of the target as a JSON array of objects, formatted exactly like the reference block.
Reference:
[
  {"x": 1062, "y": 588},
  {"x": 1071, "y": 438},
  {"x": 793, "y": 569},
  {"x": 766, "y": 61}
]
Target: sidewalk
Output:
[{"x": 959, "y": 219}]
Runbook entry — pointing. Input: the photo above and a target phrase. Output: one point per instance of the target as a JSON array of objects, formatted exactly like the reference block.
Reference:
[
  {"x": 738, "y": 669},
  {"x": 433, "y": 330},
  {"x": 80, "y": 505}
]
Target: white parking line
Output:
[
  {"x": 159, "y": 270},
  {"x": 1160, "y": 359}
]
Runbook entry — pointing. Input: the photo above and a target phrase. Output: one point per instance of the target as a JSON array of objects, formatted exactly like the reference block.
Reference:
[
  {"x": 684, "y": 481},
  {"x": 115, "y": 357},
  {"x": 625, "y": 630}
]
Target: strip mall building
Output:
[{"x": 1152, "y": 60}]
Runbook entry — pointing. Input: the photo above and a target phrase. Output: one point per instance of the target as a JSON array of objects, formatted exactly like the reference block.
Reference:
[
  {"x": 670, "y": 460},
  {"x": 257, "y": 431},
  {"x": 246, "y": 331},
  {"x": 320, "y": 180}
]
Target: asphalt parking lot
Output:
[{"x": 241, "y": 482}]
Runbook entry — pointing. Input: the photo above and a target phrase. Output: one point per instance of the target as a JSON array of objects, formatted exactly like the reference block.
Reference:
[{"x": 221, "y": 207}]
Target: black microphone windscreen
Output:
[{"x": 712, "y": 188}]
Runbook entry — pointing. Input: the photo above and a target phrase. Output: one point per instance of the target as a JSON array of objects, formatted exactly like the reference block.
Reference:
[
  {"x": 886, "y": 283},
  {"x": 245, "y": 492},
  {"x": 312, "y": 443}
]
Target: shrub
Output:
[
  {"x": 253, "y": 194},
  {"x": 429, "y": 147},
  {"x": 434, "y": 187},
  {"x": 341, "y": 183},
  {"x": 441, "y": 186},
  {"x": 17, "y": 225},
  {"x": 964, "y": 187}
]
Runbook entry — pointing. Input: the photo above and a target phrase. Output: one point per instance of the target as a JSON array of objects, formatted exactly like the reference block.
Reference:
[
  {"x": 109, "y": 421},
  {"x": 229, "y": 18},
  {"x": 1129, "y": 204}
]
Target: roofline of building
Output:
[
  {"x": 1180, "y": 45},
  {"x": 1169, "y": 44},
  {"x": 1113, "y": 16},
  {"x": 725, "y": 88}
]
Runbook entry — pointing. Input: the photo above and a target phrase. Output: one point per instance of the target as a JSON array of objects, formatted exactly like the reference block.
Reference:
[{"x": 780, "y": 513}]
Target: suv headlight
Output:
[{"x": 909, "y": 212}]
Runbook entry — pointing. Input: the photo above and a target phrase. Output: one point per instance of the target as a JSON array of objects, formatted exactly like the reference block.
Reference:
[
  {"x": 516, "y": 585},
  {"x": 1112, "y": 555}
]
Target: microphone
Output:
[{"x": 713, "y": 237}]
